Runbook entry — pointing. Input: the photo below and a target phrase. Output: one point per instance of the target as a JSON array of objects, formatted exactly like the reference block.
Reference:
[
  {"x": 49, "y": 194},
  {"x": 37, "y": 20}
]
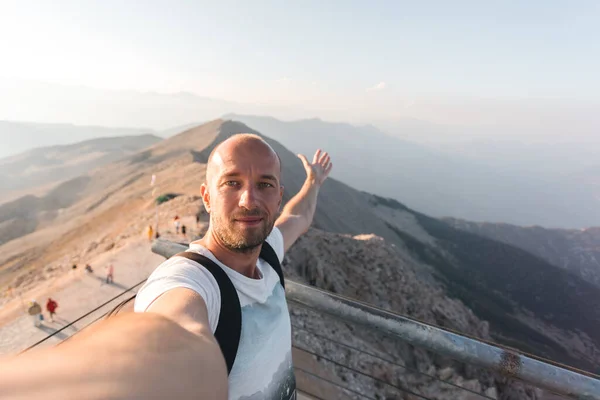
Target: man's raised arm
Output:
[{"x": 297, "y": 215}]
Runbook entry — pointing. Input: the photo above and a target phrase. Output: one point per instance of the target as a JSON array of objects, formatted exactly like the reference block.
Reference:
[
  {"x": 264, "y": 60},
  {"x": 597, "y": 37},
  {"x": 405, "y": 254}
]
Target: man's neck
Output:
[{"x": 244, "y": 263}]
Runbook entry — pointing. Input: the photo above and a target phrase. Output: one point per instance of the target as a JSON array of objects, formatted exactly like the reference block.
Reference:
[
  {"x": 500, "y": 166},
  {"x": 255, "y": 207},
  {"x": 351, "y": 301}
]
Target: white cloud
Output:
[{"x": 379, "y": 86}]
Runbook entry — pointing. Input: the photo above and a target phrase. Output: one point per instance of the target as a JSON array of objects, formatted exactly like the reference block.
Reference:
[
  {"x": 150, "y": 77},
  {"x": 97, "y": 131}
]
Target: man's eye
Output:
[
  {"x": 231, "y": 183},
  {"x": 265, "y": 185}
]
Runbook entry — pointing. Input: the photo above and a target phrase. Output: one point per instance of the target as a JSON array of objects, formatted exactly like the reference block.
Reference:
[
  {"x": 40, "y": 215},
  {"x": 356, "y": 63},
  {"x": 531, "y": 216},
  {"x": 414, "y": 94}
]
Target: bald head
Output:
[
  {"x": 242, "y": 192},
  {"x": 240, "y": 146}
]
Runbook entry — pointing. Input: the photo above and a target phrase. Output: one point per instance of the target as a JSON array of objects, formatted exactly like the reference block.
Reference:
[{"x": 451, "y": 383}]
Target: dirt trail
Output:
[{"x": 79, "y": 293}]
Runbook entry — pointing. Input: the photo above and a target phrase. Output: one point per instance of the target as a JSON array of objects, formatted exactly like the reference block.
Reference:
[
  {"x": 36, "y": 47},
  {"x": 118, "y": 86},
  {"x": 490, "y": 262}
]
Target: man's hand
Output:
[
  {"x": 319, "y": 169},
  {"x": 298, "y": 213}
]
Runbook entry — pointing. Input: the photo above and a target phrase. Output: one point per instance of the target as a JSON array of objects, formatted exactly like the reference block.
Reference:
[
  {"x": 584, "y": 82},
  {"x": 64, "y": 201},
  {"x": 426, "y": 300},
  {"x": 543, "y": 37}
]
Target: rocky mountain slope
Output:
[
  {"x": 100, "y": 203},
  {"x": 577, "y": 251},
  {"x": 527, "y": 302},
  {"x": 369, "y": 269},
  {"x": 54, "y": 177}
]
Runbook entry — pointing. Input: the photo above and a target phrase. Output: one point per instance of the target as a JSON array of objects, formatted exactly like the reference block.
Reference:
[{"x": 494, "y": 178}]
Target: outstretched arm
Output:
[
  {"x": 130, "y": 356},
  {"x": 297, "y": 215}
]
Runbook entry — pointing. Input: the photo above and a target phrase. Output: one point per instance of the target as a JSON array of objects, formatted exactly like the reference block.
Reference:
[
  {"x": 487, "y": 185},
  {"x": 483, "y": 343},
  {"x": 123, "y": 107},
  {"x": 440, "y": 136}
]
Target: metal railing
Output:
[
  {"x": 544, "y": 374},
  {"x": 507, "y": 362},
  {"x": 386, "y": 360},
  {"x": 70, "y": 324}
]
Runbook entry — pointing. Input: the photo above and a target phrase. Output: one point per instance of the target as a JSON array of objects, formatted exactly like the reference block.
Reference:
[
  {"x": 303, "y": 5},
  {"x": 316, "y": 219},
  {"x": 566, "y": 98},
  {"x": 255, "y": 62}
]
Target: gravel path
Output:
[{"x": 133, "y": 262}]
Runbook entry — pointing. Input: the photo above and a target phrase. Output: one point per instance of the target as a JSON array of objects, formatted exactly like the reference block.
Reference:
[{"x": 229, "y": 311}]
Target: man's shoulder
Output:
[{"x": 179, "y": 272}]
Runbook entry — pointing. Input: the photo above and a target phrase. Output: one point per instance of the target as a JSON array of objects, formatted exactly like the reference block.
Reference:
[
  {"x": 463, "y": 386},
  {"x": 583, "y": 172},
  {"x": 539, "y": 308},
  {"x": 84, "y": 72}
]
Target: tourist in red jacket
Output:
[{"x": 51, "y": 306}]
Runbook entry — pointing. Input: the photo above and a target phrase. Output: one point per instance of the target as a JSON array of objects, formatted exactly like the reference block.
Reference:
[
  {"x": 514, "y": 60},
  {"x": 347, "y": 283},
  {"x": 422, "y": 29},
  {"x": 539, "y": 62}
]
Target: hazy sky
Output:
[{"x": 445, "y": 61}]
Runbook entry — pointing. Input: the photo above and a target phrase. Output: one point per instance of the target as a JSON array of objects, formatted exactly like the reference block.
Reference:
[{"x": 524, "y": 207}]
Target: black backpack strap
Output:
[
  {"x": 268, "y": 254},
  {"x": 229, "y": 327}
]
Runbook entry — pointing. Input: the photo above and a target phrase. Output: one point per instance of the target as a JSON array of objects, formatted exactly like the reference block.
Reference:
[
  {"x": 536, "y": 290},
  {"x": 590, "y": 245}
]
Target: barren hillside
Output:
[
  {"x": 96, "y": 206},
  {"x": 528, "y": 303},
  {"x": 54, "y": 163},
  {"x": 577, "y": 251}
]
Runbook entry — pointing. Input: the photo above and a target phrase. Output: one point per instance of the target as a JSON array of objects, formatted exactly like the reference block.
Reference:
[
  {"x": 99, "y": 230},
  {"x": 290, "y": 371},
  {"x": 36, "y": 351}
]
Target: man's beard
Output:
[{"x": 239, "y": 240}]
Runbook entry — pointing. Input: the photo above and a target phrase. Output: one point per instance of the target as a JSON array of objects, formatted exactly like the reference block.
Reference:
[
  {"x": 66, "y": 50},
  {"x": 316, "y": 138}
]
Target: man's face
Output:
[{"x": 243, "y": 194}]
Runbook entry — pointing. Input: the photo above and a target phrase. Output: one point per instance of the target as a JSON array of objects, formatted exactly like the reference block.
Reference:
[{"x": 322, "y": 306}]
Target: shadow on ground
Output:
[
  {"x": 54, "y": 332},
  {"x": 103, "y": 281}
]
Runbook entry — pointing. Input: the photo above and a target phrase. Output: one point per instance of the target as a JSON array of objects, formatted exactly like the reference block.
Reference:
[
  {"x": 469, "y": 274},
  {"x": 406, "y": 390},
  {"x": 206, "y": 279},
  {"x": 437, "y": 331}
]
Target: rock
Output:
[
  {"x": 491, "y": 392},
  {"x": 458, "y": 380},
  {"x": 431, "y": 371},
  {"x": 92, "y": 246},
  {"x": 446, "y": 373},
  {"x": 473, "y": 385}
]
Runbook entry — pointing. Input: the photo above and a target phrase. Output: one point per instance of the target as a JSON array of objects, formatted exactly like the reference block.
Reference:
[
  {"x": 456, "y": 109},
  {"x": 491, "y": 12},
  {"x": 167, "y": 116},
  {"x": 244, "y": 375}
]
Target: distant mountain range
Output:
[
  {"x": 577, "y": 251},
  {"x": 462, "y": 180},
  {"x": 42, "y": 167},
  {"x": 528, "y": 302},
  {"x": 18, "y": 137},
  {"x": 437, "y": 182}
]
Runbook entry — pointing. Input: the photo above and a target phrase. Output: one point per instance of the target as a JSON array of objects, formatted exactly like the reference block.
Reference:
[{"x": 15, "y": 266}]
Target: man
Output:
[
  {"x": 51, "y": 306},
  {"x": 242, "y": 194},
  {"x": 170, "y": 350},
  {"x": 35, "y": 310},
  {"x": 176, "y": 222},
  {"x": 110, "y": 271},
  {"x": 150, "y": 233}
]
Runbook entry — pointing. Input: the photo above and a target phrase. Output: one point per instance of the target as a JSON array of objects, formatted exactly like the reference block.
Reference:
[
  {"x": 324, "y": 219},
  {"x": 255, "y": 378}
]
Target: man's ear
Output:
[{"x": 205, "y": 197}]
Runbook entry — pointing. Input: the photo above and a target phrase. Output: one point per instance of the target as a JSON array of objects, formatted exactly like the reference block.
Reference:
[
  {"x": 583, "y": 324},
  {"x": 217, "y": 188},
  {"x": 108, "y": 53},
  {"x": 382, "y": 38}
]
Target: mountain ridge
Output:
[
  {"x": 447, "y": 257},
  {"x": 574, "y": 250},
  {"x": 436, "y": 182},
  {"x": 48, "y": 165},
  {"x": 17, "y": 137}
]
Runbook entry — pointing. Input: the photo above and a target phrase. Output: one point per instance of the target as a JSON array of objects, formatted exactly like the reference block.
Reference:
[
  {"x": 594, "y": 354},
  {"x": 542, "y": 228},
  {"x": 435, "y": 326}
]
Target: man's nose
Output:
[{"x": 248, "y": 198}]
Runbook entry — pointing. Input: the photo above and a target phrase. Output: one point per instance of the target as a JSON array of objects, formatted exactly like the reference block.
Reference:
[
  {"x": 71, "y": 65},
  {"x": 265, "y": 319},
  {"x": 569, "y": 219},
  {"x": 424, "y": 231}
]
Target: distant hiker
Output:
[
  {"x": 156, "y": 235},
  {"x": 177, "y": 223},
  {"x": 74, "y": 267},
  {"x": 110, "y": 273},
  {"x": 35, "y": 310},
  {"x": 150, "y": 233},
  {"x": 88, "y": 268},
  {"x": 51, "y": 306},
  {"x": 183, "y": 229},
  {"x": 197, "y": 220}
]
